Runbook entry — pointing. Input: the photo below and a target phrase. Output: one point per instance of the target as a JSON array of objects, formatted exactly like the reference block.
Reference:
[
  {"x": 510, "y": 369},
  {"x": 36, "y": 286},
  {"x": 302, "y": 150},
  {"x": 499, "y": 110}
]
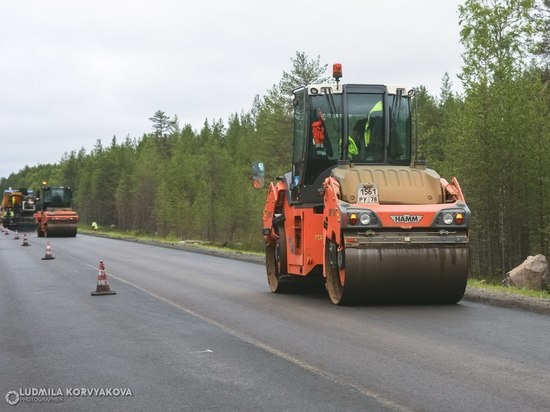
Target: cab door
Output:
[{"x": 299, "y": 146}]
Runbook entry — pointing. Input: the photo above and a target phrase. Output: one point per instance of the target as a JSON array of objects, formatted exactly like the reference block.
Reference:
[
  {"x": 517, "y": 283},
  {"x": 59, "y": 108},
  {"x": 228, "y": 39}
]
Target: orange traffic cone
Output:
[
  {"x": 25, "y": 240},
  {"x": 48, "y": 255},
  {"x": 16, "y": 237},
  {"x": 102, "y": 283}
]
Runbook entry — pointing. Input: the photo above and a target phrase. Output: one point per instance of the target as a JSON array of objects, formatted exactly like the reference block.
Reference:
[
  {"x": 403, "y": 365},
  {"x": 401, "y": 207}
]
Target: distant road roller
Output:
[
  {"x": 357, "y": 209},
  {"x": 55, "y": 216},
  {"x": 18, "y": 209}
]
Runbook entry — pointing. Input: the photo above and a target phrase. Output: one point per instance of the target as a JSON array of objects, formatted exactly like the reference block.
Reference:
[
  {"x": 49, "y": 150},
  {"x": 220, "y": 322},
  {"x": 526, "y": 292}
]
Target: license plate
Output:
[{"x": 367, "y": 194}]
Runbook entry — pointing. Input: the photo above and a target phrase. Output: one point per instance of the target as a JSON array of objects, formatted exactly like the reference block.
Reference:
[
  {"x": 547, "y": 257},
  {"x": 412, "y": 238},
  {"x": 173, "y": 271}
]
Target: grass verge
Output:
[
  {"x": 170, "y": 240},
  {"x": 481, "y": 284}
]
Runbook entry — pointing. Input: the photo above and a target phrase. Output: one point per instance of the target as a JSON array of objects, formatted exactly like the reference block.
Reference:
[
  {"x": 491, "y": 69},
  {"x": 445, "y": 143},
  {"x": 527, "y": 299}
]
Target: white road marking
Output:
[{"x": 261, "y": 345}]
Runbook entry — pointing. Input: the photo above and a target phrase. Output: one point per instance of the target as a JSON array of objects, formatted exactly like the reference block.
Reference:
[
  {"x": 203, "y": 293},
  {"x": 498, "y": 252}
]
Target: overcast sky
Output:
[{"x": 75, "y": 71}]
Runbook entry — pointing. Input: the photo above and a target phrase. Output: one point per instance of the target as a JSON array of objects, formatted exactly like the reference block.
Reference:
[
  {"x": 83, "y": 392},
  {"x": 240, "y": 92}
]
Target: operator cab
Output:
[
  {"x": 54, "y": 197},
  {"x": 346, "y": 124}
]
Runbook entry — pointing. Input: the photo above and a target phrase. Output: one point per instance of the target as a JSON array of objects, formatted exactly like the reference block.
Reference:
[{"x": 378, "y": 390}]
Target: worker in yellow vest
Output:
[{"x": 366, "y": 139}]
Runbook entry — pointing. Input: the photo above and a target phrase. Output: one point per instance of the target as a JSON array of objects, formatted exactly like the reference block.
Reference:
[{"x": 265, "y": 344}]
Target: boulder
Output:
[{"x": 533, "y": 273}]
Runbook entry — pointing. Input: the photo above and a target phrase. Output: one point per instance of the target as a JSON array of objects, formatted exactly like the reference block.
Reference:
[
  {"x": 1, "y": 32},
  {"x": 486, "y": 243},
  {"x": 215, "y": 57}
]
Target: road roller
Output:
[
  {"x": 55, "y": 216},
  {"x": 18, "y": 209},
  {"x": 357, "y": 210}
]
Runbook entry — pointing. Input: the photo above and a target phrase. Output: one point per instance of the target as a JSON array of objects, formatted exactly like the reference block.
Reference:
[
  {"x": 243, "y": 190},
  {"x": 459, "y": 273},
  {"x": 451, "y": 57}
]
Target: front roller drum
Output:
[
  {"x": 60, "y": 230},
  {"x": 414, "y": 274}
]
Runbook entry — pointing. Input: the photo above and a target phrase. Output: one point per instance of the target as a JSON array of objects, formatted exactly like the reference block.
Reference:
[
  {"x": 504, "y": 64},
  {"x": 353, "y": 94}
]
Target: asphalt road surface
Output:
[{"x": 189, "y": 331}]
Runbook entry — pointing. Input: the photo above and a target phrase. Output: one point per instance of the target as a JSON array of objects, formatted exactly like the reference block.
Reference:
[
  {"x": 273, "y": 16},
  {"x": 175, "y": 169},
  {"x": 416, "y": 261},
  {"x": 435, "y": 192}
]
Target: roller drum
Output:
[
  {"x": 413, "y": 274},
  {"x": 61, "y": 230}
]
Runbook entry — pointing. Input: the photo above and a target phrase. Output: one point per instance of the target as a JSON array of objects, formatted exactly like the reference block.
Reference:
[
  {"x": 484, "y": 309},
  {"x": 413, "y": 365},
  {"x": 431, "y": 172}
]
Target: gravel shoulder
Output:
[{"x": 508, "y": 300}]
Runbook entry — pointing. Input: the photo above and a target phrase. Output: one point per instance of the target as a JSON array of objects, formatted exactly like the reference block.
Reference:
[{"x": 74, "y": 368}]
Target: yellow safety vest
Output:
[
  {"x": 377, "y": 108},
  {"x": 352, "y": 147},
  {"x": 353, "y": 150}
]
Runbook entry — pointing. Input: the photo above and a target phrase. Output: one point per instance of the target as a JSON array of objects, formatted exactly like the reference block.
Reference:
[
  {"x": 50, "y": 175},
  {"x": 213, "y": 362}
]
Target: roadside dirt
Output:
[{"x": 508, "y": 300}]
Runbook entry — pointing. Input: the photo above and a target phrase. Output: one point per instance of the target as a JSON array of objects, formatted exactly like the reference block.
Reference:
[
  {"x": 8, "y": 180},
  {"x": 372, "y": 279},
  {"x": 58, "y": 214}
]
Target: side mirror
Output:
[{"x": 258, "y": 175}]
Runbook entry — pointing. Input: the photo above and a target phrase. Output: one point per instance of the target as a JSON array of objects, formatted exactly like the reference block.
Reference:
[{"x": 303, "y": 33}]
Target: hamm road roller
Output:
[
  {"x": 55, "y": 216},
  {"x": 357, "y": 209}
]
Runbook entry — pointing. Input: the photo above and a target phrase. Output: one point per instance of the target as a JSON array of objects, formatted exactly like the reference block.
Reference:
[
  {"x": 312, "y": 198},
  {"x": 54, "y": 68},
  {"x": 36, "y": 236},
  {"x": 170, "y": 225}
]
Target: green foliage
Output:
[
  {"x": 497, "y": 36},
  {"x": 163, "y": 125},
  {"x": 304, "y": 71},
  {"x": 543, "y": 45},
  {"x": 503, "y": 135}
]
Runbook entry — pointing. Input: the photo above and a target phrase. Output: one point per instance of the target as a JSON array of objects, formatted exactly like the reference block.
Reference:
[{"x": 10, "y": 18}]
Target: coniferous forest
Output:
[{"x": 494, "y": 136}]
